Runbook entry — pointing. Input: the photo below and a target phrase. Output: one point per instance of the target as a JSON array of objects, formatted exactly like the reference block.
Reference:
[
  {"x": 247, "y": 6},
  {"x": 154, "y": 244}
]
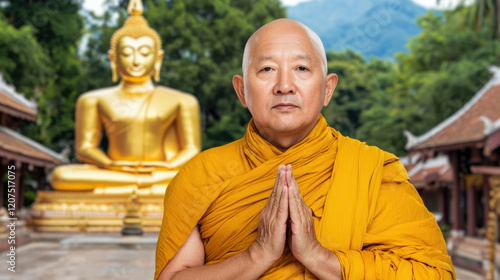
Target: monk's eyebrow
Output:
[
  {"x": 270, "y": 57},
  {"x": 304, "y": 57},
  {"x": 264, "y": 58}
]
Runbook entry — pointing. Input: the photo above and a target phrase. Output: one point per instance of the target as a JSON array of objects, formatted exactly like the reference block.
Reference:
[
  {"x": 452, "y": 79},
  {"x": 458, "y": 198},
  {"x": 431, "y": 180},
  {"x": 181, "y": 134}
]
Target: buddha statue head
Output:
[{"x": 135, "y": 54}]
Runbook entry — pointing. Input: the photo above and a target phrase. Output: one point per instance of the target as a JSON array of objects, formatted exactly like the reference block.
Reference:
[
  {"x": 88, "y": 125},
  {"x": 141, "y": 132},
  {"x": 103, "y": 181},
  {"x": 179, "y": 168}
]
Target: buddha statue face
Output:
[
  {"x": 136, "y": 58},
  {"x": 135, "y": 52}
]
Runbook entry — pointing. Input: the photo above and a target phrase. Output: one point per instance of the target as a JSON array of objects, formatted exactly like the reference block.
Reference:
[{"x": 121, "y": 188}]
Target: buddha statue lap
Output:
[{"x": 152, "y": 130}]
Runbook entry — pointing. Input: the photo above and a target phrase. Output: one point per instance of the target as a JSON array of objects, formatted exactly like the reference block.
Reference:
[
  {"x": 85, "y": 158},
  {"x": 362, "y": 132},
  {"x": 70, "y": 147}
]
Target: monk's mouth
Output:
[{"x": 285, "y": 106}]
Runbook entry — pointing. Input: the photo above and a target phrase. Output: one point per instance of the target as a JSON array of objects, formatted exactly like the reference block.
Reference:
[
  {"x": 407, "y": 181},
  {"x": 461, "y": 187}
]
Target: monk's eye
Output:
[
  {"x": 302, "y": 68},
  {"x": 266, "y": 69}
]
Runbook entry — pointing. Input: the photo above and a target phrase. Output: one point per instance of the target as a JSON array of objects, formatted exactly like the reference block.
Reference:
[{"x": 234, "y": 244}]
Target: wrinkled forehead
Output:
[
  {"x": 129, "y": 41},
  {"x": 289, "y": 43}
]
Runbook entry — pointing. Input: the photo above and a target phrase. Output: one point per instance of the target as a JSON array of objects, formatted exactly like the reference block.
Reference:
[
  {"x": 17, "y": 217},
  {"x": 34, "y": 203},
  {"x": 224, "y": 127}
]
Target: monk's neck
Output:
[
  {"x": 137, "y": 89},
  {"x": 284, "y": 144},
  {"x": 285, "y": 140}
]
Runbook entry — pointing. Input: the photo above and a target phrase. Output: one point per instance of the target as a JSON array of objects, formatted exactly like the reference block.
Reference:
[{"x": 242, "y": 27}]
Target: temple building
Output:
[
  {"x": 27, "y": 155},
  {"x": 433, "y": 179},
  {"x": 458, "y": 161}
]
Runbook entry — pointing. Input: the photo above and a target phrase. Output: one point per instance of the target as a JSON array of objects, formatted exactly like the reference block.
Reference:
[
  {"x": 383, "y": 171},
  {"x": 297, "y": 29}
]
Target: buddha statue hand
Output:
[
  {"x": 139, "y": 166},
  {"x": 158, "y": 165}
]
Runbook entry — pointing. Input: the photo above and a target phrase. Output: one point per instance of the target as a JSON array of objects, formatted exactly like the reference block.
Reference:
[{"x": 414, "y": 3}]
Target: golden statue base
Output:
[{"x": 55, "y": 211}]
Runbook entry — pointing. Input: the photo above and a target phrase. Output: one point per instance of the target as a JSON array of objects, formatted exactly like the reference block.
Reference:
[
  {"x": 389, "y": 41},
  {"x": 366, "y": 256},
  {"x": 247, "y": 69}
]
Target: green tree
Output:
[
  {"x": 484, "y": 13},
  {"x": 57, "y": 27},
  {"x": 96, "y": 69},
  {"x": 359, "y": 80},
  {"x": 23, "y": 62},
  {"x": 446, "y": 65}
]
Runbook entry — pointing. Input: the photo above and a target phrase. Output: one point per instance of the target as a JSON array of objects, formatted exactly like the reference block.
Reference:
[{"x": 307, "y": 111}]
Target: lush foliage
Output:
[
  {"x": 447, "y": 64},
  {"x": 23, "y": 61},
  {"x": 38, "y": 42},
  {"x": 359, "y": 80},
  {"x": 49, "y": 70}
]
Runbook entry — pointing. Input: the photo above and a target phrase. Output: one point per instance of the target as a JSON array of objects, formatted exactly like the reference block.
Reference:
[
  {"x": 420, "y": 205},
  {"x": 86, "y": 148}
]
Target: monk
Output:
[{"x": 294, "y": 199}]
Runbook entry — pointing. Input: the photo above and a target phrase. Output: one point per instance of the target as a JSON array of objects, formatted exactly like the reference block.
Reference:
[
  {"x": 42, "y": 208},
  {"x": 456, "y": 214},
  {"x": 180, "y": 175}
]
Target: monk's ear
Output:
[
  {"x": 331, "y": 83},
  {"x": 239, "y": 87},
  {"x": 112, "y": 63}
]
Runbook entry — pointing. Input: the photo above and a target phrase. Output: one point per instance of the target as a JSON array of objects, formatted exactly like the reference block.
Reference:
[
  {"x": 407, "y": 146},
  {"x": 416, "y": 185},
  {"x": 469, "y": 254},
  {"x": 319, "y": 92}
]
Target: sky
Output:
[{"x": 96, "y": 5}]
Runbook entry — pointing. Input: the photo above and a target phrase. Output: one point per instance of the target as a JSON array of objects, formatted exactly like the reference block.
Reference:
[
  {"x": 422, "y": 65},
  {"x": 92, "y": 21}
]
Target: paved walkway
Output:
[
  {"x": 71, "y": 261},
  {"x": 96, "y": 258},
  {"x": 463, "y": 274}
]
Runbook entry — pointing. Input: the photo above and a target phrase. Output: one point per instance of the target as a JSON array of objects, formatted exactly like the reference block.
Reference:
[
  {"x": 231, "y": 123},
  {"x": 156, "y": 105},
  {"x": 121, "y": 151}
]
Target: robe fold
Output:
[{"x": 364, "y": 208}]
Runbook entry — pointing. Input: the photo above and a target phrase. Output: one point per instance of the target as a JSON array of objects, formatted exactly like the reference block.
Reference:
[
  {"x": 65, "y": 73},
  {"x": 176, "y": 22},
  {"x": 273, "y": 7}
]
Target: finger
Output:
[
  {"x": 293, "y": 184},
  {"x": 302, "y": 208},
  {"x": 285, "y": 174},
  {"x": 282, "y": 215},
  {"x": 276, "y": 182},
  {"x": 291, "y": 181},
  {"x": 277, "y": 192},
  {"x": 293, "y": 208}
]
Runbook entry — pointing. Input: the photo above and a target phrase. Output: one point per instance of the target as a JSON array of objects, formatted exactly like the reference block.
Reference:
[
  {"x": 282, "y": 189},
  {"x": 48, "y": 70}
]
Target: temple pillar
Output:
[
  {"x": 423, "y": 195},
  {"x": 486, "y": 198},
  {"x": 471, "y": 210},
  {"x": 444, "y": 205},
  {"x": 456, "y": 213},
  {"x": 42, "y": 186}
]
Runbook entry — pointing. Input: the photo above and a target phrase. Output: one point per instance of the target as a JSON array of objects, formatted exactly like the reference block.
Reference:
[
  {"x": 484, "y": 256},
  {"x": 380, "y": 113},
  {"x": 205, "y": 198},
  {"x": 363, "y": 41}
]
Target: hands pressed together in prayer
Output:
[{"x": 286, "y": 218}]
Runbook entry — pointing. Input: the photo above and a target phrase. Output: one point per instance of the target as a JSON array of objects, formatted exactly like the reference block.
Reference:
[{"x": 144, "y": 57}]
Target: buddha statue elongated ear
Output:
[
  {"x": 157, "y": 66},
  {"x": 112, "y": 63}
]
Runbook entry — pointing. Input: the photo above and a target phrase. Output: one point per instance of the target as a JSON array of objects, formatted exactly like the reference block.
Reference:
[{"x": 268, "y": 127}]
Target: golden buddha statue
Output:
[{"x": 152, "y": 130}]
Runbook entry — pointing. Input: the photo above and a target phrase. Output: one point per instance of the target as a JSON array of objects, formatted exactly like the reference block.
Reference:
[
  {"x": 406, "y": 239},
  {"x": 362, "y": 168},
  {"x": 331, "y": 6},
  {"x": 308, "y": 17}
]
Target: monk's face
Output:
[
  {"x": 284, "y": 84},
  {"x": 136, "y": 57}
]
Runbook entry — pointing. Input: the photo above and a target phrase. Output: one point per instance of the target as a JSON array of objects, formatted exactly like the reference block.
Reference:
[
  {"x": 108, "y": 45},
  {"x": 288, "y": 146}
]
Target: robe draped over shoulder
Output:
[{"x": 364, "y": 208}]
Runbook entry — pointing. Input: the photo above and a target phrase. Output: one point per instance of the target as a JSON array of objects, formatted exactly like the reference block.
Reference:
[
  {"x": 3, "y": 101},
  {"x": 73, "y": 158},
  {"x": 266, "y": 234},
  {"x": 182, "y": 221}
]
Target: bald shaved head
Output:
[{"x": 281, "y": 26}]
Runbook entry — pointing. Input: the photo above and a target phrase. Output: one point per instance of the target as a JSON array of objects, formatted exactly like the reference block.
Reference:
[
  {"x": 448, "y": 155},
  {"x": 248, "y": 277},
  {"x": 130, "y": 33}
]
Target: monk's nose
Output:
[{"x": 284, "y": 84}]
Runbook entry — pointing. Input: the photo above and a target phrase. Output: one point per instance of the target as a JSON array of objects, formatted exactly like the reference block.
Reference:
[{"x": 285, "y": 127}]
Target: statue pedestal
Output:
[{"x": 55, "y": 211}]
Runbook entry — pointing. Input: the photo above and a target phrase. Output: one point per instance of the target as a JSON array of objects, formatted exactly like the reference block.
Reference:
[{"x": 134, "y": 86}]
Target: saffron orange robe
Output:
[{"x": 364, "y": 208}]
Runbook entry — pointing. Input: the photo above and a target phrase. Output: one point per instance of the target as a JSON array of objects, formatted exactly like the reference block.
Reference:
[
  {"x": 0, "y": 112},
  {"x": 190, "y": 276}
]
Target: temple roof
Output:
[
  {"x": 432, "y": 170},
  {"x": 15, "y": 104},
  {"x": 15, "y": 146},
  {"x": 474, "y": 122}
]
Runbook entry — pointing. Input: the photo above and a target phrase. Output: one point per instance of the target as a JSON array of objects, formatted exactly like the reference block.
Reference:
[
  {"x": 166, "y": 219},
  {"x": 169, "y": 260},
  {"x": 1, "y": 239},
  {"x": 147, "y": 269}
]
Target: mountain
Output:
[{"x": 377, "y": 28}]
